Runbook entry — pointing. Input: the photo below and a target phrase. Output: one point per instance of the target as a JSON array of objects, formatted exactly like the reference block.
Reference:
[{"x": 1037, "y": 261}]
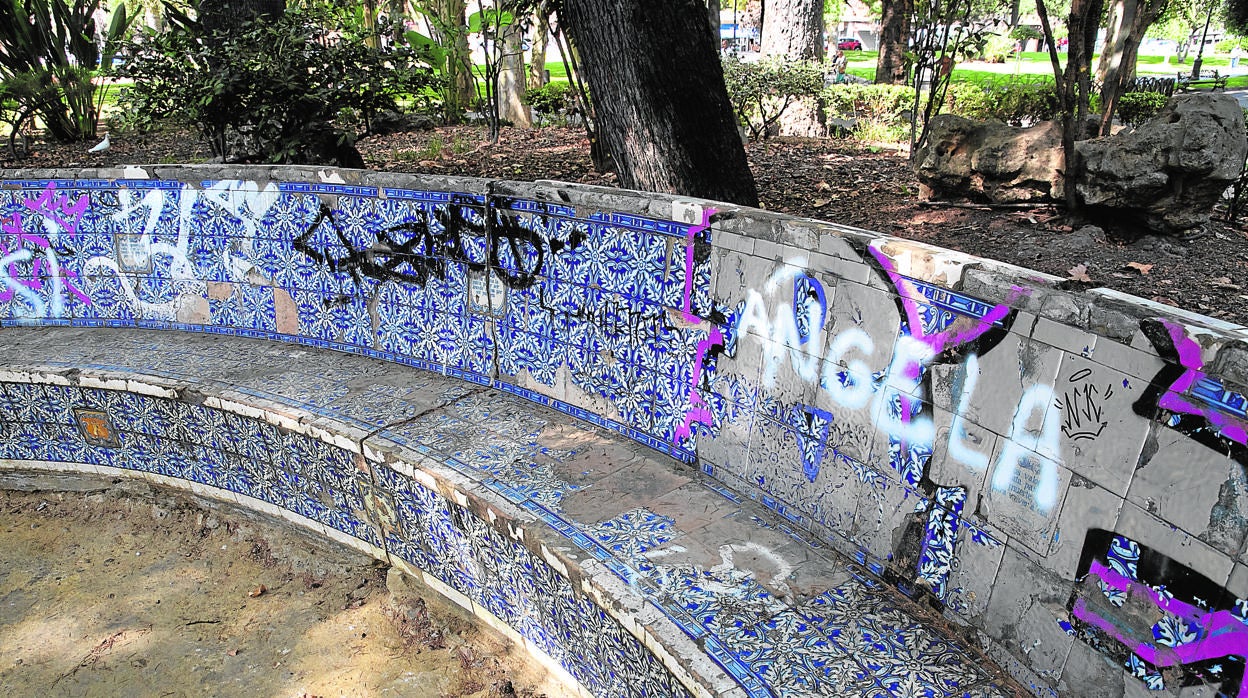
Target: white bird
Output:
[{"x": 101, "y": 146}]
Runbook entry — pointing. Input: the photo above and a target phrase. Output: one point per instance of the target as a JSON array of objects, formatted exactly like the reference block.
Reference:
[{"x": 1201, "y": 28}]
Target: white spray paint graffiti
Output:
[
  {"x": 137, "y": 250},
  {"x": 27, "y": 259},
  {"x": 853, "y": 387}
]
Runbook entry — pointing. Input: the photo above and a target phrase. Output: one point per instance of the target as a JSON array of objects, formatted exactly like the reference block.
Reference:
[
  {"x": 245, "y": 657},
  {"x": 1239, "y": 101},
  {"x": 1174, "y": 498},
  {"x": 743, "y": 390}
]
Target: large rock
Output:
[
  {"x": 990, "y": 161},
  {"x": 1169, "y": 172}
]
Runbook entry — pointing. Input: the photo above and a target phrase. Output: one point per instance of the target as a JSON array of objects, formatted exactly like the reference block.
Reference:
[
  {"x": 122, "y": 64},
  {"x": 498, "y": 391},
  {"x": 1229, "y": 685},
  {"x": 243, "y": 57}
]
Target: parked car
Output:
[{"x": 848, "y": 43}]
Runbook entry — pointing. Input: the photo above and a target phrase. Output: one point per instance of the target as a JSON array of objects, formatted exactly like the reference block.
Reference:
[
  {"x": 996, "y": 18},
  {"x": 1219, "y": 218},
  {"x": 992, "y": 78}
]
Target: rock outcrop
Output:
[
  {"x": 1170, "y": 171},
  {"x": 1167, "y": 174},
  {"x": 990, "y": 161}
]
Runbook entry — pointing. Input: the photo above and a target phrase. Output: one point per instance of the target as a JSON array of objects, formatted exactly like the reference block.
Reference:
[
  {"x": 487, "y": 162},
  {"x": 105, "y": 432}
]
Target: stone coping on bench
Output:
[
  {"x": 1020, "y": 453},
  {"x": 624, "y": 571}
]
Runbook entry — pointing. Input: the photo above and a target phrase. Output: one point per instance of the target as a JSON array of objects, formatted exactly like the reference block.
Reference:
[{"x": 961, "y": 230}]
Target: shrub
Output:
[
  {"x": 881, "y": 112},
  {"x": 998, "y": 49},
  {"x": 48, "y": 58},
  {"x": 551, "y": 98},
  {"x": 269, "y": 90},
  {"x": 1016, "y": 102},
  {"x": 761, "y": 91},
  {"x": 883, "y": 103},
  {"x": 1134, "y": 108}
]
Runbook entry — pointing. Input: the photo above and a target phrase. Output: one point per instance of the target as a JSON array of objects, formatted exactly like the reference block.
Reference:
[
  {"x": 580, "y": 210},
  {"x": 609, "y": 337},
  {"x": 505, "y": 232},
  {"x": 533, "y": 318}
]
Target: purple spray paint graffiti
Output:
[
  {"x": 1152, "y": 613},
  {"x": 29, "y": 260},
  {"x": 699, "y": 411}
]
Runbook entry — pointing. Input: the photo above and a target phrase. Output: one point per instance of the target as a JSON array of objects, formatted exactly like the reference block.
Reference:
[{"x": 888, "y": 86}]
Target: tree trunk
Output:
[
  {"x": 659, "y": 97},
  {"x": 712, "y": 13},
  {"x": 511, "y": 106},
  {"x": 537, "y": 61},
  {"x": 1076, "y": 85},
  {"x": 793, "y": 31},
  {"x": 1128, "y": 21},
  {"x": 451, "y": 32},
  {"x": 890, "y": 67}
]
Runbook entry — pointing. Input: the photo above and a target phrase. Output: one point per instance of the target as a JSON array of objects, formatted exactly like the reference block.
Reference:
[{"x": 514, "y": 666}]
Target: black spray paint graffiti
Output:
[
  {"x": 416, "y": 251},
  {"x": 1167, "y": 624},
  {"x": 1083, "y": 407},
  {"x": 1166, "y": 399}
]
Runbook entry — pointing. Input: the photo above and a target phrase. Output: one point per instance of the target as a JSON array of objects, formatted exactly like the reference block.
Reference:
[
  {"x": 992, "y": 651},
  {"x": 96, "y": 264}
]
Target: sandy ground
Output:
[{"x": 121, "y": 590}]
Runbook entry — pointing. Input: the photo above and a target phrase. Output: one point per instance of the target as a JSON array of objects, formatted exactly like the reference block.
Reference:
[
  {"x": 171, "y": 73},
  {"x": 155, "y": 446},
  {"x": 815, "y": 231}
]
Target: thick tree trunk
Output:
[
  {"x": 537, "y": 61},
  {"x": 1127, "y": 22},
  {"x": 793, "y": 29},
  {"x": 659, "y": 97},
  {"x": 712, "y": 13},
  {"x": 890, "y": 67},
  {"x": 511, "y": 79}
]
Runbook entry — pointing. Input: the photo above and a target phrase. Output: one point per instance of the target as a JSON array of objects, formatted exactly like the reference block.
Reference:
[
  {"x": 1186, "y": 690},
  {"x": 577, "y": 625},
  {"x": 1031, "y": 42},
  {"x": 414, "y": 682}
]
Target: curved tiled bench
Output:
[{"x": 1033, "y": 461}]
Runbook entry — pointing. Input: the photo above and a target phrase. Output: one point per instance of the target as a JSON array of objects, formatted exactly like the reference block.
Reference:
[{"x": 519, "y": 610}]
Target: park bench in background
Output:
[{"x": 1209, "y": 78}]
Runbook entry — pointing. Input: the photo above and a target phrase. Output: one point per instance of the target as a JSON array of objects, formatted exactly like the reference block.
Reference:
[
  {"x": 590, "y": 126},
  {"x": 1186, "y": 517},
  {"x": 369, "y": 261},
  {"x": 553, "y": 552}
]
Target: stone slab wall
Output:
[{"x": 1061, "y": 472}]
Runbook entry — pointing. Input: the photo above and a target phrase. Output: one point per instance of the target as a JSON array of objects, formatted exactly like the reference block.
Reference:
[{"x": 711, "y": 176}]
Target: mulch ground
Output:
[{"x": 835, "y": 180}]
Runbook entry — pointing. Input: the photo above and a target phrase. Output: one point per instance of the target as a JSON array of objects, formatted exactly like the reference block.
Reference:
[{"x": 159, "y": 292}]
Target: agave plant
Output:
[{"x": 49, "y": 58}]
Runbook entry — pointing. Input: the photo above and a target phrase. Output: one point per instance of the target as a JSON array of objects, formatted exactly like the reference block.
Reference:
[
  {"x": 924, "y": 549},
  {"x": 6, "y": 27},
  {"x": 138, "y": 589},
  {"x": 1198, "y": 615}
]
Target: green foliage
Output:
[
  {"x": 1024, "y": 32},
  {"x": 1227, "y": 45},
  {"x": 998, "y": 49},
  {"x": 279, "y": 90},
  {"x": 880, "y": 112},
  {"x": 48, "y": 59},
  {"x": 552, "y": 98},
  {"x": 1134, "y": 108},
  {"x": 1015, "y": 101},
  {"x": 885, "y": 103},
  {"x": 761, "y": 91}
]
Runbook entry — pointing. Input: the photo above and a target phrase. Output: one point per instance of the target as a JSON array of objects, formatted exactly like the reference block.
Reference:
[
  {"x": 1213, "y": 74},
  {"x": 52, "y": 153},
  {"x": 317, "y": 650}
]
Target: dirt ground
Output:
[
  {"x": 118, "y": 589},
  {"x": 836, "y": 180}
]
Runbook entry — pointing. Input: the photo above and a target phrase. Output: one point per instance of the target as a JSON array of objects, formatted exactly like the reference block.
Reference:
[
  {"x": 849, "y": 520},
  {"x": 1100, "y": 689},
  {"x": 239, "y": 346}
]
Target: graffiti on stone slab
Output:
[
  {"x": 418, "y": 250},
  {"x": 1188, "y": 398},
  {"x": 1167, "y": 624}
]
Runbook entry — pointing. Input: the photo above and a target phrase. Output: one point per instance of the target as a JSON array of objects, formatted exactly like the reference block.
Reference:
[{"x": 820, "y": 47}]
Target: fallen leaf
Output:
[
  {"x": 823, "y": 186},
  {"x": 820, "y": 203},
  {"x": 232, "y": 653},
  {"x": 257, "y": 591},
  {"x": 1140, "y": 267},
  {"x": 1079, "y": 272}
]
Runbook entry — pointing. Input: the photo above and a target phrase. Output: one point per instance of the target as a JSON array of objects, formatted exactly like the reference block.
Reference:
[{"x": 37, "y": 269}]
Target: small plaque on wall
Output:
[{"x": 96, "y": 427}]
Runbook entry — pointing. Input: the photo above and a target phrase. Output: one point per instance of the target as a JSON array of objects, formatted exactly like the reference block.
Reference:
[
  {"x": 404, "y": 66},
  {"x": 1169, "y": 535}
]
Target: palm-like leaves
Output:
[{"x": 48, "y": 57}]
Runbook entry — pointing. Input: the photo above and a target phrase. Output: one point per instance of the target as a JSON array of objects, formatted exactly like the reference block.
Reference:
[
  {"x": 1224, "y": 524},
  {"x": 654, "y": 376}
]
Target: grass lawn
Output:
[{"x": 1035, "y": 63}]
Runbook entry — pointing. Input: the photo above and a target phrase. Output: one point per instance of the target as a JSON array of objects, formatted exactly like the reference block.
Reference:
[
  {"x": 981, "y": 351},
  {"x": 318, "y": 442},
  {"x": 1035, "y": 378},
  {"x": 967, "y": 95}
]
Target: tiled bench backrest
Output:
[{"x": 1024, "y": 455}]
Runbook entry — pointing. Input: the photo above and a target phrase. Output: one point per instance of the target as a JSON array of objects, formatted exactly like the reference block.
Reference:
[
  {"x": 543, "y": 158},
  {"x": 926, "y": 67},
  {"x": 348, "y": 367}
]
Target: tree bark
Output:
[
  {"x": 659, "y": 97},
  {"x": 1076, "y": 85},
  {"x": 793, "y": 29},
  {"x": 537, "y": 61},
  {"x": 890, "y": 67},
  {"x": 511, "y": 79},
  {"x": 1127, "y": 22},
  {"x": 452, "y": 34},
  {"x": 712, "y": 13}
]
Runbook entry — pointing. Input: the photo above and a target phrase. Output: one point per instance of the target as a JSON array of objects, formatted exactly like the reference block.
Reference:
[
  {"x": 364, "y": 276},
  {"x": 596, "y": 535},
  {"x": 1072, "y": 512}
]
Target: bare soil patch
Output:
[{"x": 119, "y": 589}]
